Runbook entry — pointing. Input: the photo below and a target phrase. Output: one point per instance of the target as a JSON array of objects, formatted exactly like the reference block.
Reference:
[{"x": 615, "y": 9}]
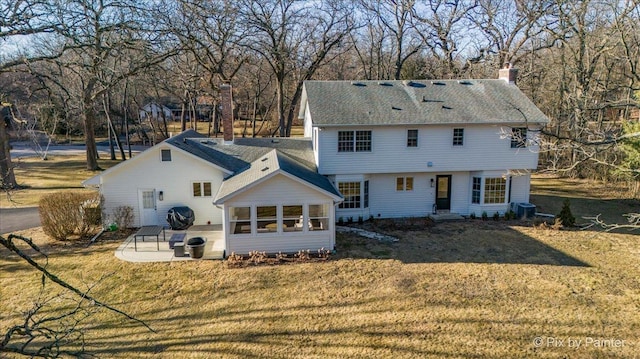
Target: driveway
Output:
[{"x": 16, "y": 219}]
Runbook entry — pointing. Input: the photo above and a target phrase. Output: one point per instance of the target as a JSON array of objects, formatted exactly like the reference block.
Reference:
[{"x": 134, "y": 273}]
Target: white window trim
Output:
[
  {"x": 404, "y": 184},
  {"x": 162, "y": 150},
  {"x": 202, "y": 189}
]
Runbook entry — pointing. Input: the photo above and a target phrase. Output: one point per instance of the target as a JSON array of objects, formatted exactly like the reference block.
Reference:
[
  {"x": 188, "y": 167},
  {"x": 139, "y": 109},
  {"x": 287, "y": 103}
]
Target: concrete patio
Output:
[{"x": 148, "y": 248}]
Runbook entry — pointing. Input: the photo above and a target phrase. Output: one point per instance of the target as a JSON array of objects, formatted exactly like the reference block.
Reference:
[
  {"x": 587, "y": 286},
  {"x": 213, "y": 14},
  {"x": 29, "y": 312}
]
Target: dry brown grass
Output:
[
  {"x": 455, "y": 290},
  {"x": 588, "y": 198},
  {"x": 39, "y": 177}
]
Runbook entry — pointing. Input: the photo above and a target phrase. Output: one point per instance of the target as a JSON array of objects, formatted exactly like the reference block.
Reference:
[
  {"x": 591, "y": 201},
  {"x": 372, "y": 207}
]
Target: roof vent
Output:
[
  {"x": 275, "y": 141},
  {"x": 396, "y": 108},
  {"x": 381, "y": 83},
  {"x": 425, "y": 99},
  {"x": 438, "y": 83},
  {"x": 359, "y": 84},
  {"x": 446, "y": 107},
  {"x": 465, "y": 82},
  {"x": 264, "y": 159},
  {"x": 264, "y": 169}
]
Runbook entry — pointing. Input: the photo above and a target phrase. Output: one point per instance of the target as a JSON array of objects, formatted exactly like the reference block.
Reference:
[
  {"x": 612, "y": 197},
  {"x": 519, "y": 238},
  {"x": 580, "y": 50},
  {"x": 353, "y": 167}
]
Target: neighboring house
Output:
[
  {"x": 157, "y": 112},
  {"x": 407, "y": 148},
  {"x": 266, "y": 193}
]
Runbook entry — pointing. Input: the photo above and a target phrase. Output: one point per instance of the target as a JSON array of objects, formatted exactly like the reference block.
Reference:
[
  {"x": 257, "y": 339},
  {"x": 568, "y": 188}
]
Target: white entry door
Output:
[{"x": 147, "y": 206}]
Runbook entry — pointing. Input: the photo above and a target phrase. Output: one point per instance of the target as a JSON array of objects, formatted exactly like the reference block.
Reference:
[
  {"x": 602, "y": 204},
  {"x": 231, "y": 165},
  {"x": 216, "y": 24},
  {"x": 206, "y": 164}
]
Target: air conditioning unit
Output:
[{"x": 523, "y": 209}]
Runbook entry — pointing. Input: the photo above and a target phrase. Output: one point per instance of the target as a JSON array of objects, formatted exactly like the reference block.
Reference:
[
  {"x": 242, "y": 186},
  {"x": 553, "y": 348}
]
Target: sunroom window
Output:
[
  {"x": 240, "y": 219},
  {"x": 318, "y": 217}
]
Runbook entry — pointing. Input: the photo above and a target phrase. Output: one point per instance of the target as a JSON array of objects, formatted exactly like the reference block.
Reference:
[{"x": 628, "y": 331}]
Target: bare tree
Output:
[
  {"x": 295, "y": 39},
  {"x": 441, "y": 25},
  {"x": 390, "y": 32},
  {"x": 45, "y": 331}
]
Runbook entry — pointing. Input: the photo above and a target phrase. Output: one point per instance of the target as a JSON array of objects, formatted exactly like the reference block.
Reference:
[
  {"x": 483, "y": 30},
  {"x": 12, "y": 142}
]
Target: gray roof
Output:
[
  {"x": 267, "y": 165},
  {"x": 342, "y": 103},
  {"x": 247, "y": 158}
]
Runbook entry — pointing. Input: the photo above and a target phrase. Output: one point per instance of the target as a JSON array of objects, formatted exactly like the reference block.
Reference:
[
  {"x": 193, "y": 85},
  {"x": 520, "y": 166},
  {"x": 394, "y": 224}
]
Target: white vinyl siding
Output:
[
  {"x": 120, "y": 186},
  {"x": 292, "y": 200},
  {"x": 483, "y": 150}
]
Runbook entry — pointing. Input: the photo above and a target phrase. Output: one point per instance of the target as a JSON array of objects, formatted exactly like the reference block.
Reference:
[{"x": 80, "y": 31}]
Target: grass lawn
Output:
[
  {"x": 470, "y": 289},
  {"x": 39, "y": 177}
]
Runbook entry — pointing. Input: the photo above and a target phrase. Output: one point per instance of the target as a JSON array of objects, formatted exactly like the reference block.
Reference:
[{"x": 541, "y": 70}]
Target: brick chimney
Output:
[
  {"x": 508, "y": 73},
  {"x": 226, "y": 102}
]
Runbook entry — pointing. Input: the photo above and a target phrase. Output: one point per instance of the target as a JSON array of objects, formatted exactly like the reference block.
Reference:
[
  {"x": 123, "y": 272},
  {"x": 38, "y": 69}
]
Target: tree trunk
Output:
[
  {"x": 89, "y": 113},
  {"x": 281, "y": 120},
  {"x": 90, "y": 138},
  {"x": 7, "y": 177}
]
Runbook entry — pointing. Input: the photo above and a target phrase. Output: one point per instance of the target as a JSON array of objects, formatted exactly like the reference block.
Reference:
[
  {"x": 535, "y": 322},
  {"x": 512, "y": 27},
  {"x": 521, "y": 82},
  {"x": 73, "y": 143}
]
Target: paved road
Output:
[
  {"x": 27, "y": 149},
  {"x": 16, "y": 219}
]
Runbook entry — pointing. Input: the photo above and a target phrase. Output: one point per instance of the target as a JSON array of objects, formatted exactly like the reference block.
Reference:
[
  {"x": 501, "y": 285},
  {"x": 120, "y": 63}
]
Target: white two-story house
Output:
[{"x": 412, "y": 148}]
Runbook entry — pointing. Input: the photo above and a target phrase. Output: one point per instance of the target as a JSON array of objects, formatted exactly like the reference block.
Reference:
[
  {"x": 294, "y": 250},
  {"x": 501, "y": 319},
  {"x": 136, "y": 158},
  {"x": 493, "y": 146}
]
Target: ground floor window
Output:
[
  {"x": 292, "y": 218},
  {"x": 476, "y": 188},
  {"x": 366, "y": 194},
  {"x": 318, "y": 217},
  {"x": 201, "y": 189},
  {"x": 240, "y": 219},
  {"x": 267, "y": 219},
  {"x": 495, "y": 190},
  {"x": 404, "y": 184},
  {"x": 275, "y": 218},
  {"x": 351, "y": 193}
]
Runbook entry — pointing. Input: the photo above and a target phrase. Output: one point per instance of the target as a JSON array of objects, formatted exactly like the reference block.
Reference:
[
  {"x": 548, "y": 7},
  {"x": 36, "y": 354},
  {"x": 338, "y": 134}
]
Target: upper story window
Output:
[
  {"x": 519, "y": 137},
  {"x": 354, "y": 141},
  {"x": 166, "y": 155},
  {"x": 412, "y": 138},
  {"x": 458, "y": 136}
]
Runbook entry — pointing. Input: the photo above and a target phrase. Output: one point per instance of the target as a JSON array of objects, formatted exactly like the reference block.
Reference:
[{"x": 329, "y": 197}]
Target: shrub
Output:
[
  {"x": 123, "y": 216},
  {"x": 472, "y": 215},
  {"x": 485, "y": 216},
  {"x": 496, "y": 216},
  {"x": 63, "y": 214},
  {"x": 360, "y": 220},
  {"x": 566, "y": 217},
  {"x": 340, "y": 221}
]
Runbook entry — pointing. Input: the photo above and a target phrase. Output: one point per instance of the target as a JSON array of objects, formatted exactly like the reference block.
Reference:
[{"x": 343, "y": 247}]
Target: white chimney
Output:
[{"x": 508, "y": 73}]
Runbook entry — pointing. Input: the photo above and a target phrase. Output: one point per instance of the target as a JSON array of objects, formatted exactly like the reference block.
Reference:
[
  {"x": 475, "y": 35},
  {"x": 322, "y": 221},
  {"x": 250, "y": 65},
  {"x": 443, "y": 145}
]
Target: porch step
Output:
[{"x": 444, "y": 217}]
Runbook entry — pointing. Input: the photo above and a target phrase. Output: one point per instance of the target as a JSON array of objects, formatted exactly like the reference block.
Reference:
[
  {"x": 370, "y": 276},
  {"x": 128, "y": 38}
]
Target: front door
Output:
[
  {"x": 147, "y": 206},
  {"x": 443, "y": 192}
]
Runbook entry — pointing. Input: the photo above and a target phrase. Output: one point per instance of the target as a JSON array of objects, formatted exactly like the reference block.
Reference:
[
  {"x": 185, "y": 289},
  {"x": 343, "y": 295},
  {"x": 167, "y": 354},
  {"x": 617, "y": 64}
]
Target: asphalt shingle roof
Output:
[
  {"x": 252, "y": 159},
  {"x": 341, "y": 103},
  {"x": 267, "y": 165}
]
